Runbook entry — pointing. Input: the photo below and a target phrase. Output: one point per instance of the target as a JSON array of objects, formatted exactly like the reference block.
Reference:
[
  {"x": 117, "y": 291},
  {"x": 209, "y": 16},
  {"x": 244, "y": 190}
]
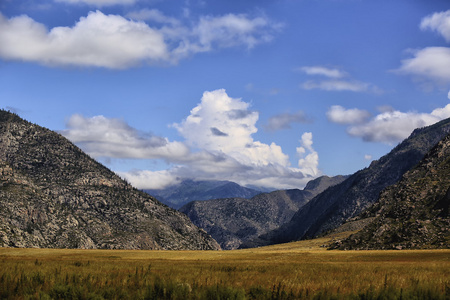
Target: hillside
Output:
[
  {"x": 412, "y": 214},
  {"x": 348, "y": 199},
  {"x": 235, "y": 221},
  {"x": 52, "y": 195},
  {"x": 189, "y": 190}
]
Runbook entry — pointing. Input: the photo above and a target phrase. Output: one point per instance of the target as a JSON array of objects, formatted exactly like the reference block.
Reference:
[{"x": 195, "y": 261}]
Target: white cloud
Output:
[
  {"x": 439, "y": 22},
  {"x": 98, "y": 40},
  {"x": 218, "y": 112},
  {"x": 112, "y": 41},
  {"x": 340, "y": 115},
  {"x": 337, "y": 85},
  {"x": 368, "y": 157},
  {"x": 284, "y": 120},
  {"x": 429, "y": 63},
  {"x": 323, "y": 71},
  {"x": 335, "y": 81},
  {"x": 219, "y": 131},
  {"x": 394, "y": 126},
  {"x": 308, "y": 164},
  {"x": 103, "y": 137},
  {"x": 99, "y": 3},
  {"x": 144, "y": 179}
]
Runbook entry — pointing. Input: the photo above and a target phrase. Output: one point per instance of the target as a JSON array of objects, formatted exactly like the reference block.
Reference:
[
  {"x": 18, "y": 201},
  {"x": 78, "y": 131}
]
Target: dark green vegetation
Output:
[
  {"x": 233, "y": 222},
  {"x": 189, "y": 190},
  {"x": 350, "y": 198},
  {"x": 290, "y": 271},
  {"x": 413, "y": 213},
  {"x": 53, "y": 195}
]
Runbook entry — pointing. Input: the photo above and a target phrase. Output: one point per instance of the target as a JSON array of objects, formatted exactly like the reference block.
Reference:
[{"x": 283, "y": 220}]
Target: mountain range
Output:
[
  {"x": 53, "y": 195},
  {"x": 233, "y": 222}
]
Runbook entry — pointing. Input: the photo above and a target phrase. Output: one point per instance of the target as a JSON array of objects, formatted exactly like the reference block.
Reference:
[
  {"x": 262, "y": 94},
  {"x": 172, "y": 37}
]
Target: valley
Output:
[{"x": 287, "y": 271}]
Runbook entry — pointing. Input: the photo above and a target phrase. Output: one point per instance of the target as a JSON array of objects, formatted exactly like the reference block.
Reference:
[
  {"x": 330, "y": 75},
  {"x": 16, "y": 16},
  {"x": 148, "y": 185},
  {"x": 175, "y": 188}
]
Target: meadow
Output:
[{"x": 300, "y": 270}]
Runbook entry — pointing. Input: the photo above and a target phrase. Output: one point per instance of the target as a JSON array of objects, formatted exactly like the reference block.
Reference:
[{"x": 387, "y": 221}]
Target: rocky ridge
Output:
[
  {"x": 348, "y": 199},
  {"x": 412, "y": 214},
  {"x": 53, "y": 195}
]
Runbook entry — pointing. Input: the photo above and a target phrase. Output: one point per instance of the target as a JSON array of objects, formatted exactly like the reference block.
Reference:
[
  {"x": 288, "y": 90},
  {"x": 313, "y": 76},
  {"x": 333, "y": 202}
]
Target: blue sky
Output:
[{"x": 265, "y": 93}]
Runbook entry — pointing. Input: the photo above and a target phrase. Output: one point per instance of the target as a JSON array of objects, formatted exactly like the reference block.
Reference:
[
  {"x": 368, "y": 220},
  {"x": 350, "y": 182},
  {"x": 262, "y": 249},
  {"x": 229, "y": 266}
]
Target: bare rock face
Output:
[
  {"x": 412, "y": 214},
  {"x": 55, "y": 196}
]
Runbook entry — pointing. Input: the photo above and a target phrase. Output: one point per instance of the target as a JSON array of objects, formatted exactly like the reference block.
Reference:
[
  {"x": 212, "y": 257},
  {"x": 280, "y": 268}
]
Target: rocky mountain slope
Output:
[
  {"x": 189, "y": 190},
  {"x": 54, "y": 195},
  {"x": 235, "y": 221},
  {"x": 348, "y": 199},
  {"x": 412, "y": 214}
]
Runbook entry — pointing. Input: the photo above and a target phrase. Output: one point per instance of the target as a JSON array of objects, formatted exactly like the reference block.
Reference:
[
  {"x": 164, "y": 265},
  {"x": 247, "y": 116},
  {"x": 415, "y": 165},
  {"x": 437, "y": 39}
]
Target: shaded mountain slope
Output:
[
  {"x": 55, "y": 196},
  {"x": 346, "y": 200},
  {"x": 412, "y": 214},
  {"x": 235, "y": 221},
  {"x": 189, "y": 190}
]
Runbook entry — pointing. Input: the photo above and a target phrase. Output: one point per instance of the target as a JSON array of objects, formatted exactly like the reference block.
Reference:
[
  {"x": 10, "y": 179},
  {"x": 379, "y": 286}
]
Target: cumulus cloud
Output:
[
  {"x": 225, "y": 124},
  {"x": 98, "y": 40},
  {"x": 104, "y": 137},
  {"x": 340, "y": 115},
  {"x": 112, "y": 41},
  {"x": 430, "y": 63},
  {"x": 308, "y": 163},
  {"x": 328, "y": 72},
  {"x": 394, "y": 126},
  {"x": 284, "y": 120},
  {"x": 217, "y": 144},
  {"x": 439, "y": 22}
]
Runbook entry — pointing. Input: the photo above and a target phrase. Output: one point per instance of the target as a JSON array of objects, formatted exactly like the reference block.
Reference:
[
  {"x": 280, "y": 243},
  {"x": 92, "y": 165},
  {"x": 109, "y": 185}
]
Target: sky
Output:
[{"x": 267, "y": 93}]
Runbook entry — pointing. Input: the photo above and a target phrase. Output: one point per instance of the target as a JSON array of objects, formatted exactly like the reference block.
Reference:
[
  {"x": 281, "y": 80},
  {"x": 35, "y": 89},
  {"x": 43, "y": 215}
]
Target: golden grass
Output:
[{"x": 299, "y": 269}]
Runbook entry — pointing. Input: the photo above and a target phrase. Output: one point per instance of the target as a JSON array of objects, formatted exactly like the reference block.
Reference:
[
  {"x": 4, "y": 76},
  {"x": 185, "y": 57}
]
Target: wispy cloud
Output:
[
  {"x": 99, "y": 3},
  {"x": 217, "y": 144},
  {"x": 112, "y": 41},
  {"x": 389, "y": 127},
  {"x": 285, "y": 120},
  {"x": 324, "y": 71},
  {"x": 335, "y": 80}
]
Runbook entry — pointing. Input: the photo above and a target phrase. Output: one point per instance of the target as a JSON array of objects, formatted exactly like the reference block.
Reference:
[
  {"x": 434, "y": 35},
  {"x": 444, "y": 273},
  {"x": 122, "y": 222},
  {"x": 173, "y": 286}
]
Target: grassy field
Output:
[{"x": 300, "y": 270}]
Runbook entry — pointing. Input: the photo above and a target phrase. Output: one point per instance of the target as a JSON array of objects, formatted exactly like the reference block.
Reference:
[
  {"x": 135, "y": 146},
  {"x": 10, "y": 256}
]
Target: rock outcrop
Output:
[
  {"x": 412, "y": 214},
  {"x": 53, "y": 195}
]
